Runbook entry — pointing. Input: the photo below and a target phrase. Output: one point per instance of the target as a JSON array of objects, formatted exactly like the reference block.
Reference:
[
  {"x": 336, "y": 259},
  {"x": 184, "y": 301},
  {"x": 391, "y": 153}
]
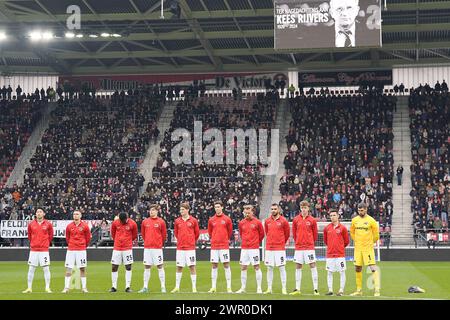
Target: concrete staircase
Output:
[
  {"x": 402, "y": 229},
  {"x": 283, "y": 125},
  {"x": 17, "y": 175},
  {"x": 153, "y": 150},
  {"x": 271, "y": 188}
]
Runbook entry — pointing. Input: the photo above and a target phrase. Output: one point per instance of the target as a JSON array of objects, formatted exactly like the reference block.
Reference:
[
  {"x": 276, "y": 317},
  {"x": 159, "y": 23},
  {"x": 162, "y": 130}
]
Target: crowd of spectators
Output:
[
  {"x": 430, "y": 171},
  {"x": 17, "y": 121},
  {"x": 200, "y": 183},
  {"x": 88, "y": 158},
  {"x": 339, "y": 154},
  {"x": 9, "y": 94}
]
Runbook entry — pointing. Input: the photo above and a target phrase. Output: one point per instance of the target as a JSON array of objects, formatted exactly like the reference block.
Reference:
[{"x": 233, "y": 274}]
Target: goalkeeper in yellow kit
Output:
[{"x": 365, "y": 233}]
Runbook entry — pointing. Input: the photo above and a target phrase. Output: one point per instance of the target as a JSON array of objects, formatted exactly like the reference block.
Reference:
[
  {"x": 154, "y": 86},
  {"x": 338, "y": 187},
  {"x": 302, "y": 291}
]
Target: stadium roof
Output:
[{"x": 211, "y": 35}]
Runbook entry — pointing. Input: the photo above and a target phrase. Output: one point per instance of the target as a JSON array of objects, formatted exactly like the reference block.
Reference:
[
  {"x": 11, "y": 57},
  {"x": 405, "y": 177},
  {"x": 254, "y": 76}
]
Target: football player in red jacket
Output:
[
  {"x": 123, "y": 232},
  {"x": 277, "y": 232},
  {"x": 251, "y": 231},
  {"x": 78, "y": 236},
  {"x": 154, "y": 233},
  {"x": 40, "y": 234},
  {"x": 305, "y": 233},
  {"x": 187, "y": 232},
  {"x": 220, "y": 229}
]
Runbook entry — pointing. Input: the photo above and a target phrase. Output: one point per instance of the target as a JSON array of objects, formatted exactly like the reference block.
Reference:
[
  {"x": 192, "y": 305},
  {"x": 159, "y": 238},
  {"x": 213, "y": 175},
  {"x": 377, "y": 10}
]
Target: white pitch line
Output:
[{"x": 212, "y": 294}]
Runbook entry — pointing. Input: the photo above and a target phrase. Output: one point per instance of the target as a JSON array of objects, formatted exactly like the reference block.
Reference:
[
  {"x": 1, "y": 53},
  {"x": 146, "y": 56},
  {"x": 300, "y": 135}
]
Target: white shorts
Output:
[
  {"x": 275, "y": 258},
  {"x": 39, "y": 258},
  {"x": 76, "y": 257},
  {"x": 220, "y": 256},
  {"x": 336, "y": 264},
  {"x": 249, "y": 256},
  {"x": 122, "y": 257},
  {"x": 153, "y": 257},
  {"x": 185, "y": 258},
  {"x": 305, "y": 256}
]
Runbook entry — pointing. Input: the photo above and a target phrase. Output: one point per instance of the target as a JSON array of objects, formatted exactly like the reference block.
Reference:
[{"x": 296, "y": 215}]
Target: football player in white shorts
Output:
[
  {"x": 40, "y": 234},
  {"x": 78, "y": 236},
  {"x": 304, "y": 230},
  {"x": 277, "y": 232},
  {"x": 187, "y": 232},
  {"x": 220, "y": 229},
  {"x": 336, "y": 238},
  {"x": 123, "y": 232},
  {"x": 154, "y": 233}
]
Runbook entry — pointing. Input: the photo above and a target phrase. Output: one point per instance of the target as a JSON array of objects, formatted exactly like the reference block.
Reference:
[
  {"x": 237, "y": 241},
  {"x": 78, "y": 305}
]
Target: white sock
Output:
[
  {"x": 298, "y": 279},
  {"x": 194, "y": 280},
  {"x": 83, "y": 282},
  {"x": 342, "y": 274},
  {"x": 162, "y": 277},
  {"x": 243, "y": 279},
  {"x": 330, "y": 281},
  {"x": 283, "y": 276},
  {"x": 30, "y": 277},
  {"x": 128, "y": 275},
  {"x": 213, "y": 277},
  {"x": 228, "y": 276},
  {"x": 47, "y": 276},
  {"x": 66, "y": 282},
  {"x": 258, "y": 278},
  {"x": 269, "y": 277},
  {"x": 178, "y": 279},
  {"x": 146, "y": 277},
  {"x": 315, "y": 278},
  {"x": 114, "y": 276}
]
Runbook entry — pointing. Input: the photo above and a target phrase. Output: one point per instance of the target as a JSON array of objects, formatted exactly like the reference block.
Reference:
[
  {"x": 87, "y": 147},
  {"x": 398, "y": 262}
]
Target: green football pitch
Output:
[{"x": 396, "y": 277}]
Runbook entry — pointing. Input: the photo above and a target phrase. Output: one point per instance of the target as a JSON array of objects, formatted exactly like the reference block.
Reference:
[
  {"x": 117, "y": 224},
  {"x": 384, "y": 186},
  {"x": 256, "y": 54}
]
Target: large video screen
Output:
[{"x": 302, "y": 24}]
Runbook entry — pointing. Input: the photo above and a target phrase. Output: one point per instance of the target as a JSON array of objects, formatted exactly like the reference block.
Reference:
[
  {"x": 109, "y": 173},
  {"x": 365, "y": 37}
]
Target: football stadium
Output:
[{"x": 224, "y": 150}]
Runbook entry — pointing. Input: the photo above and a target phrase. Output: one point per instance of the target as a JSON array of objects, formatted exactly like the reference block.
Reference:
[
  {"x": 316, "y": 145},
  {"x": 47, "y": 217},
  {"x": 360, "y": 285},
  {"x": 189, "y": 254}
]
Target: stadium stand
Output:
[
  {"x": 17, "y": 121},
  {"x": 430, "y": 171},
  {"x": 202, "y": 184},
  {"x": 340, "y": 150},
  {"x": 89, "y": 157}
]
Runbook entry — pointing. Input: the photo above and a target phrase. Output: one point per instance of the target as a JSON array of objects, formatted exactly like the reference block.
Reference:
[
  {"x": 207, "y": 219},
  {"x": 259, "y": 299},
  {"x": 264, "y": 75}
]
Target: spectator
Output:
[
  {"x": 291, "y": 90},
  {"x": 399, "y": 174}
]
